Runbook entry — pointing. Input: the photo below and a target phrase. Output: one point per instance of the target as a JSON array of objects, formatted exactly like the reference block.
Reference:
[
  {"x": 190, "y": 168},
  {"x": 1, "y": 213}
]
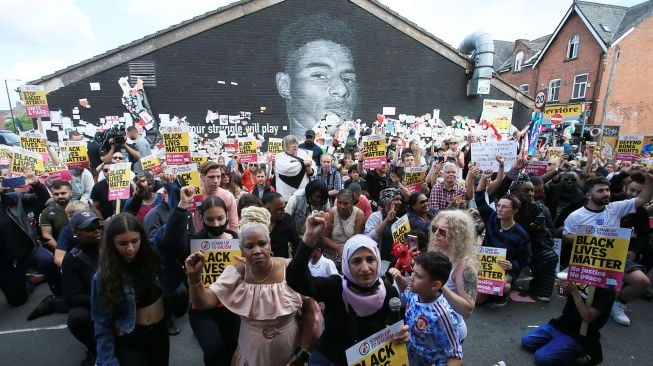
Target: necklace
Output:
[
  {"x": 501, "y": 229},
  {"x": 266, "y": 277}
]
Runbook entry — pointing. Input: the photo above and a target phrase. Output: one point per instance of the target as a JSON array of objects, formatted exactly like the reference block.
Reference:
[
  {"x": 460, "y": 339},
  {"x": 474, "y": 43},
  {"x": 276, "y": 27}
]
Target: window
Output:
[
  {"x": 145, "y": 70},
  {"x": 518, "y": 61},
  {"x": 580, "y": 87},
  {"x": 554, "y": 90},
  {"x": 572, "y": 47},
  {"x": 524, "y": 88}
]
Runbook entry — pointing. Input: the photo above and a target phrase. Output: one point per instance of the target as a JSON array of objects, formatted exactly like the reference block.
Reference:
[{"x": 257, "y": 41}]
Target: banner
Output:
[
  {"x": 35, "y": 142},
  {"x": 537, "y": 167},
  {"x": 75, "y": 154},
  {"x": 498, "y": 113},
  {"x": 6, "y": 154},
  {"x": 484, "y": 153},
  {"x": 374, "y": 150},
  {"x": 25, "y": 158},
  {"x": 177, "y": 145},
  {"x": 598, "y": 256},
  {"x": 58, "y": 172},
  {"x": 247, "y": 150},
  {"x": 219, "y": 253},
  {"x": 414, "y": 177},
  {"x": 275, "y": 146},
  {"x": 188, "y": 174},
  {"x": 152, "y": 164},
  {"x": 490, "y": 275},
  {"x": 629, "y": 147},
  {"x": 35, "y": 101},
  {"x": 378, "y": 349},
  {"x": 399, "y": 229},
  {"x": 119, "y": 181}
]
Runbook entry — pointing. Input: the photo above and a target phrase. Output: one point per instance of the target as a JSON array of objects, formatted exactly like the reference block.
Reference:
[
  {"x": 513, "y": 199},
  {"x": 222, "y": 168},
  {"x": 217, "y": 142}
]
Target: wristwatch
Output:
[{"x": 302, "y": 354}]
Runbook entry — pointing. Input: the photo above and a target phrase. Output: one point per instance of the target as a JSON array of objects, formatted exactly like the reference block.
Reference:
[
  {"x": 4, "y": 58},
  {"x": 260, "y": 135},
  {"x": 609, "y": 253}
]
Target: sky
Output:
[{"x": 38, "y": 37}]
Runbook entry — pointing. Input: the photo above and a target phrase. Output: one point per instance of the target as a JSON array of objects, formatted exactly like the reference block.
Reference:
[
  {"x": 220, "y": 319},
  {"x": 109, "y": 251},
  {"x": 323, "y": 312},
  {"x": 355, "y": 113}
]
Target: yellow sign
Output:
[
  {"x": 186, "y": 175},
  {"x": 34, "y": 142},
  {"x": 152, "y": 164},
  {"x": 414, "y": 177},
  {"x": 75, "y": 154},
  {"x": 598, "y": 256},
  {"x": 6, "y": 153},
  {"x": 177, "y": 146},
  {"x": 36, "y": 105},
  {"x": 247, "y": 150},
  {"x": 490, "y": 275},
  {"x": 275, "y": 145},
  {"x": 629, "y": 147},
  {"x": 119, "y": 181},
  {"x": 25, "y": 158},
  {"x": 199, "y": 159},
  {"x": 374, "y": 150},
  {"x": 399, "y": 229},
  {"x": 569, "y": 110},
  {"x": 219, "y": 253},
  {"x": 379, "y": 349}
]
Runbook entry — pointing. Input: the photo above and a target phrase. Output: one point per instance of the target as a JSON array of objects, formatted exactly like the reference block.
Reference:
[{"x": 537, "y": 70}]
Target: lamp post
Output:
[{"x": 11, "y": 108}]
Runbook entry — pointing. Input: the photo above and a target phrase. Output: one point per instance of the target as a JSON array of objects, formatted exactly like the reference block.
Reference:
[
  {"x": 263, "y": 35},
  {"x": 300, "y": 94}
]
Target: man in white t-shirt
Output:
[
  {"x": 319, "y": 265},
  {"x": 599, "y": 211}
]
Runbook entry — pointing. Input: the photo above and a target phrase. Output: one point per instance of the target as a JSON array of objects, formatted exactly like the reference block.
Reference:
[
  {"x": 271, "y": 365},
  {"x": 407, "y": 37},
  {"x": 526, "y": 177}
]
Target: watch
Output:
[{"x": 302, "y": 354}]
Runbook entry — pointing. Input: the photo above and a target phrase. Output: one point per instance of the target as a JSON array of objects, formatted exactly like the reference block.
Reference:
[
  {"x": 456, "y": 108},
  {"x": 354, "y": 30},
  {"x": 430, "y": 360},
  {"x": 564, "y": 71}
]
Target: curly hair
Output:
[
  {"x": 461, "y": 235},
  {"x": 114, "y": 268}
]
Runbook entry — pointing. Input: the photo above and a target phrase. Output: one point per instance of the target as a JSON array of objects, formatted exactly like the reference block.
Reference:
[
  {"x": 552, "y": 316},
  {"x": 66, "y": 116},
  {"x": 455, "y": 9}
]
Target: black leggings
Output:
[
  {"x": 543, "y": 267},
  {"x": 217, "y": 333},
  {"x": 144, "y": 346},
  {"x": 80, "y": 325}
]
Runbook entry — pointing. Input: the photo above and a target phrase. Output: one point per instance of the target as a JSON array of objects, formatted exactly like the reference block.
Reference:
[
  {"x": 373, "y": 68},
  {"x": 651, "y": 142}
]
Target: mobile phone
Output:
[
  {"x": 411, "y": 240},
  {"x": 439, "y": 159}
]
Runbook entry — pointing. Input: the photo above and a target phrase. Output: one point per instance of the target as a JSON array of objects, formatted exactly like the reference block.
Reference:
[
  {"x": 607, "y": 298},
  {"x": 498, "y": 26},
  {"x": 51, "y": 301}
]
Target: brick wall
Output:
[{"x": 527, "y": 75}]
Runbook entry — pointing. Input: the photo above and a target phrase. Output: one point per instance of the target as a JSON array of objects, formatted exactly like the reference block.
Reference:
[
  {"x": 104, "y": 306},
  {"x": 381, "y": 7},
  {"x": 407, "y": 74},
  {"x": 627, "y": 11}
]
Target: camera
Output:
[{"x": 117, "y": 133}]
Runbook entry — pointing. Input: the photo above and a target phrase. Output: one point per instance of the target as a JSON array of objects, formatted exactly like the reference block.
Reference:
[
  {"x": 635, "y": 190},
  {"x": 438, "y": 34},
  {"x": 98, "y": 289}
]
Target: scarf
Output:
[{"x": 366, "y": 300}]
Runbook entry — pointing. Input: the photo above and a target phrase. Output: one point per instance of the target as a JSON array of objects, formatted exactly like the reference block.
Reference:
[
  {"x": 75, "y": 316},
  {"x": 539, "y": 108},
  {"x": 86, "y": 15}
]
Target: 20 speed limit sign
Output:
[{"x": 540, "y": 99}]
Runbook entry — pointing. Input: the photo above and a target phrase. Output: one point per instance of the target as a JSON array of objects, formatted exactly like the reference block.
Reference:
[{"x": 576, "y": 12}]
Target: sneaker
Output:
[
  {"x": 89, "y": 359},
  {"x": 45, "y": 307},
  {"x": 498, "y": 302},
  {"x": 543, "y": 298},
  {"x": 618, "y": 313}
]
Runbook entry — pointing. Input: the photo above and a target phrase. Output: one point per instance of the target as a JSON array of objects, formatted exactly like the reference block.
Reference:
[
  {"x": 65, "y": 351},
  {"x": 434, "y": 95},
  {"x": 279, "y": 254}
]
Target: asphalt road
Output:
[{"x": 494, "y": 335}]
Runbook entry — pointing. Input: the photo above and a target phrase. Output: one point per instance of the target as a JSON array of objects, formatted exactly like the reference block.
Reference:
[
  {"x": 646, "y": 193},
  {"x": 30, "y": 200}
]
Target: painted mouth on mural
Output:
[{"x": 342, "y": 110}]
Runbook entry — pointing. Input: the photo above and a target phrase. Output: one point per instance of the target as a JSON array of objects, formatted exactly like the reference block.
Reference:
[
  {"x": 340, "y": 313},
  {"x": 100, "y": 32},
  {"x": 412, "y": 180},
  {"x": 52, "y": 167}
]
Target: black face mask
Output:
[{"x": 216, "y": 230}]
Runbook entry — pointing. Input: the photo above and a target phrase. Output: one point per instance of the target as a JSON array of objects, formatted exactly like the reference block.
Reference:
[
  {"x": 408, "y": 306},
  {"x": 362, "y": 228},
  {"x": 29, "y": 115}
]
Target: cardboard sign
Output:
[
  {"x": 152, "y": 164},
  {"x": 75, "y": 154},
  {"x": 119, "y": 181},
  {"x": 188, "y": 174},
  {"x": 499, "y": 113},
  {"x": 247, "y": 150},
  {"x": 26, "y": 158},
  {"x": 6, "y": 154},
  {"x": 598, "y": 256},
  {"x": 490, "y": 275},
  {"x": 629, "y": 147},
  {"x": 414, "y": 177},
  {"x": 536, "y": 167},
  {"x": 36, "y": 104},
  {"x": 378, "y": 349},
  {"x": 399, "y": 229},
  {"x": 35, "y": 142},
  {"x": 484, "y": 153},
  {"x": 58, "y": 172},
  {"x": 219, "y": 253},
  {"x": 177, "y": 145},
  {"x": 374, "y": 150},
  {"x": 200, "y": 159},
  {"x": 556, "y": 152}
]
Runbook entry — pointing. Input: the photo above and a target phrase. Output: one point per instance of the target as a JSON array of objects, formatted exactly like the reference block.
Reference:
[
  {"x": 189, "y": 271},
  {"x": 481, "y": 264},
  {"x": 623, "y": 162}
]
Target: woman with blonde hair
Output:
[{"x": 453, "y": 234}]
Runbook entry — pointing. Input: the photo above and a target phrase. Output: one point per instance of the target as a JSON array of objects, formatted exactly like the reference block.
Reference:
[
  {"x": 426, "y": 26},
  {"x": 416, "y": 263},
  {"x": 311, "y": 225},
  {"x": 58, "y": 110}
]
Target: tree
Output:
[{"x": 26, "y": 123}]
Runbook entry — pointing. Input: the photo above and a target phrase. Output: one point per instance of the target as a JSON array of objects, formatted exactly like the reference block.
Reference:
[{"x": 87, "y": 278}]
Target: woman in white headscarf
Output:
[
  {"x": 356, "y": 303},
  {"x": 292, "y": 167}
]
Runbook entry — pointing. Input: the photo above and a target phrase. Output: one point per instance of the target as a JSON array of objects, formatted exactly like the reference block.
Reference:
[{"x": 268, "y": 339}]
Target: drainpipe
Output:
[
  {"x": 608, "y": 91},
  {"x": 480, "y": 47}
]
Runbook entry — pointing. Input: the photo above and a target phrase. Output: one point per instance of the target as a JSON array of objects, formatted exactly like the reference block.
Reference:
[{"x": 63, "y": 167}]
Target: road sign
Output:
[
  {"x": 556, "y": 119},
  {"x": 540, "y": 99}
]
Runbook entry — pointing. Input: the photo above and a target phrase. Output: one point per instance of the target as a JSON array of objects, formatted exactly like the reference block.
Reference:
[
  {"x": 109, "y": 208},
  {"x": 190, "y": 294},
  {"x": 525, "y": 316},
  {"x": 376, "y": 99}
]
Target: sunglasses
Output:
[
  {"x": 117, "y": 157},
  {"x": 93, "y": 228},
  {"x": 105, "y": 170},
  {"x": 439, "y": 231}
]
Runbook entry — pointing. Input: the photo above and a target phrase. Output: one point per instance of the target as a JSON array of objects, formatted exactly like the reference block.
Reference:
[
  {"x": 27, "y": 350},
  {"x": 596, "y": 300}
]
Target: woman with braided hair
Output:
[{"x": 256, "y": 290}]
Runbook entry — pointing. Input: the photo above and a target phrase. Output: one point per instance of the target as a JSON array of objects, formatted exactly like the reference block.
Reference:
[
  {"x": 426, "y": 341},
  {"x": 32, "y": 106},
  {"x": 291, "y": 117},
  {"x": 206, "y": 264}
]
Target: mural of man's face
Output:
[{"x": 321, "y": 81}]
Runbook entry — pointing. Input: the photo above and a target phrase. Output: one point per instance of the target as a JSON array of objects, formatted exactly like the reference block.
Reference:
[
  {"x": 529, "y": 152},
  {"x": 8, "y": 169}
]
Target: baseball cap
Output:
[
  {"x": 310, "y": 133},
  {"x": 82, "y": 220}
]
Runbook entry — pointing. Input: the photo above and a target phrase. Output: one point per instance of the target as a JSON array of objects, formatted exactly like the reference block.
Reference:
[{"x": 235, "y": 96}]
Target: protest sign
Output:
[
  {"x": 598, "y": 256},
  {"x": 247, "y": 150},
  {"x": 414, "y": 178},
  {"x": 490, "y": 275},
  {"x": 484, "y": 153},
  {"x": 36, "y": 104},
  {"x": 35, "y": 142},
  {"x": 75, "y": 154},
  {"x": 556, "y": 152},
  {"x": 374, "y": 151},
  {"x": 199, "y": 159},
  {"x": 58, "y": 172},
  {"x": 218, "y": 253},
  {"x": 275, "y": 146},
  {"x": 499, "y": 113},
  {"x": 177, "y": 145},
  {"x": 399, "y": 229},
  {"x": 25, "y": 158},
  {"x": 629, "y": 147},
  {"x": 187, "y": 174},
  {"x": 6, "y": 154},
  {"x": 378, "y": 349},
  {"x": 152, "y": 164},
  {"x": 536, "y": 167},
  {"x": 119, "y": 181}
]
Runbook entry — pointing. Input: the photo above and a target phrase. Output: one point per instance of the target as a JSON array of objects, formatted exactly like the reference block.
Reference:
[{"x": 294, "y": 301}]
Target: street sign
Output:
[
  {"x": 540, "y": 99},
  {"x": 556, "y": 119}
]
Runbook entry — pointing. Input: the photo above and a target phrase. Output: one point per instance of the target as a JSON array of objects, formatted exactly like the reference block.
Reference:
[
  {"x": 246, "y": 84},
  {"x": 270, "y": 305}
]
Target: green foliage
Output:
[{"x": 25, "y": 121}]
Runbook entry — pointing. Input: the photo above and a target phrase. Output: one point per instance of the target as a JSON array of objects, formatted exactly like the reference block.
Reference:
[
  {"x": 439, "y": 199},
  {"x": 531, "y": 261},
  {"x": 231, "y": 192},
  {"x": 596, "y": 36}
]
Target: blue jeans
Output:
[{"x": 551, "y": 346}]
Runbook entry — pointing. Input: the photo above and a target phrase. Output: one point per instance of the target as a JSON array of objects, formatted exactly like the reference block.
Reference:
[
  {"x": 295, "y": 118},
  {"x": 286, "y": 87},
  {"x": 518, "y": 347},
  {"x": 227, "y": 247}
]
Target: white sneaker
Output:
[{"x": 618, "y": 313}]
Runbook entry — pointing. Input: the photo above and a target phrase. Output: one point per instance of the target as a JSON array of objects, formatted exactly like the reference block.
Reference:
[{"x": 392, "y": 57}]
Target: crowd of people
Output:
[{"x": 318, "y": 270}]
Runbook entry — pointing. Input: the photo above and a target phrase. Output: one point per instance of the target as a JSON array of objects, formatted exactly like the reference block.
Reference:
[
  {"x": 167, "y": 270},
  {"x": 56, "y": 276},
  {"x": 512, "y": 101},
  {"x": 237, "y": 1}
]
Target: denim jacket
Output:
[{"x": 106, "y": 324}]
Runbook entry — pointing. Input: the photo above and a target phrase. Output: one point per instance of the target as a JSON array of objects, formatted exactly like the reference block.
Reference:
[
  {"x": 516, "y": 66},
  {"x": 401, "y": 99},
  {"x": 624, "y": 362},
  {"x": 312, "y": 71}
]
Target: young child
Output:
[
  {"x": 433, "y": 324},
  {"x": 321, "y": 266}
]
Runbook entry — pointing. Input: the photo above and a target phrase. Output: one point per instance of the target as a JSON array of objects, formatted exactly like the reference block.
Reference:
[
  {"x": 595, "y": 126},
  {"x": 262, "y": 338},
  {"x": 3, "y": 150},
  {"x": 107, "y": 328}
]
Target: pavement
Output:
[{"x": 494, "y": 335}]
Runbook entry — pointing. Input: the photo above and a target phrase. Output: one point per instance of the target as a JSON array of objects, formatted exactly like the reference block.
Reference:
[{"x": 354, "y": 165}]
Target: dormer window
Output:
[
  {"x": 572, "y": 47},
  {"x": 518, "y": 60}
]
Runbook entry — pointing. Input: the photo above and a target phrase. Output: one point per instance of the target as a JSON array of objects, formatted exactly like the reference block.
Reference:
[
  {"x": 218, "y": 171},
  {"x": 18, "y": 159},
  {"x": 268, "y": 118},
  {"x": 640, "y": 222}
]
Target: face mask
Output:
[{"x": 216, "y": 230}]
